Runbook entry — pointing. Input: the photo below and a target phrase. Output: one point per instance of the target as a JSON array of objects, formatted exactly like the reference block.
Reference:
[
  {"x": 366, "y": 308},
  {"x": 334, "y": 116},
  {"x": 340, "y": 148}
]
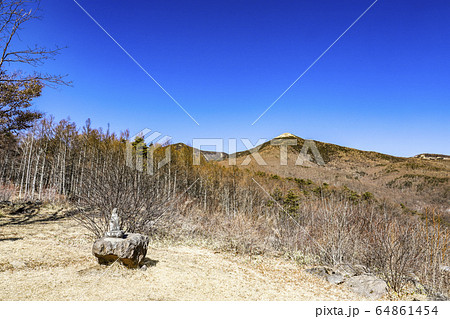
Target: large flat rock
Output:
[{"x": 130, "y": 250}]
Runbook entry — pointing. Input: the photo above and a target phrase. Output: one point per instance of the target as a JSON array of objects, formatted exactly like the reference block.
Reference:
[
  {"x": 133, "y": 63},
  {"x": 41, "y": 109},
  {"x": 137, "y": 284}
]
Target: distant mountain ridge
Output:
[
  {"x": 419, "y": 181},
  {"x": 328, "y": 151},
  {"x": 415, "y": 181}
]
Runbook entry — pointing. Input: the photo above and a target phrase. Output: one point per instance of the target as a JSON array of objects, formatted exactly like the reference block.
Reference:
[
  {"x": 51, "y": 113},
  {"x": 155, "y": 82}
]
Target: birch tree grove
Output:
[{"x": 58, "y": 161}]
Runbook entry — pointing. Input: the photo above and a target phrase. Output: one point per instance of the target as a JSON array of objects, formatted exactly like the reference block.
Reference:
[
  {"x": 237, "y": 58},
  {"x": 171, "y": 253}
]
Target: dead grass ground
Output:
[{"x": 50, "y": 259}]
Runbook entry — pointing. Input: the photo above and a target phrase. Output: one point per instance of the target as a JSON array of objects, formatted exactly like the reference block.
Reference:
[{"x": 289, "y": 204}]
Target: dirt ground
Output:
[{"x": 46, "y": 257}]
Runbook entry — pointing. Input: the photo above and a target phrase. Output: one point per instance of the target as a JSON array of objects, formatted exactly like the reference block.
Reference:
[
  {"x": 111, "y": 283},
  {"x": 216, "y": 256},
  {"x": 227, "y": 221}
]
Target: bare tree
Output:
[
  {"x": 18, "y": 89},
  {"x": 13, "y": 15}
]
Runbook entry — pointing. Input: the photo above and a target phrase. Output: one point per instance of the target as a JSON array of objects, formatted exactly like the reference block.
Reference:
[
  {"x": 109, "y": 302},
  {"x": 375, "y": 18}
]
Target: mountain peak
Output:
[{"x": 284, "y": 135}]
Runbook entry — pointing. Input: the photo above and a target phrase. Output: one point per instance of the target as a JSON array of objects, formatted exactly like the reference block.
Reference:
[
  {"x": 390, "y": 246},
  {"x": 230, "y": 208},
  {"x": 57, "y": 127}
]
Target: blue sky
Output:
[{"x": 384, "y": 86}]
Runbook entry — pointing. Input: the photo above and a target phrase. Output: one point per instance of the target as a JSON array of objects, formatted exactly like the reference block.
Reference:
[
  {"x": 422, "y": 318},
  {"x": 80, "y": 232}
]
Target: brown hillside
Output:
[{"x": 414, "y": 182}]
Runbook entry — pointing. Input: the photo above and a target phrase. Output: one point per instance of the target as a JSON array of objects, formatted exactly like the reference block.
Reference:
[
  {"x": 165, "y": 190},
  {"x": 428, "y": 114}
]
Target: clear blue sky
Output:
[{"x": 384, "y": 86}]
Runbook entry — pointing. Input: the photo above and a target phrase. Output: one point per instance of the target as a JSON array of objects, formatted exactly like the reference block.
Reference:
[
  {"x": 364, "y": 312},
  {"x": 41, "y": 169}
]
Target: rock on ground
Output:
[
  {"x": 335, "y": 279},
  {"x": 368, "y": 286},
  {"x": 130, "y": 250}
]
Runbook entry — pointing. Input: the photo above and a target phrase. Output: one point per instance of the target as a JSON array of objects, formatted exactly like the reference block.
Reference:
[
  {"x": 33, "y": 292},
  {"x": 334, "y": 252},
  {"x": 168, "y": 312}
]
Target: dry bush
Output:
[
  {"x": 109, "y": 184},
  {"x": 433, "y": 269},
  {"x": 395, "y": 250},
  {"x": 7, "y": 191},
  {"x": 396, "y": 247},
  {"x": 334, "y": 225},
  {"x": 51, "y": 195}
]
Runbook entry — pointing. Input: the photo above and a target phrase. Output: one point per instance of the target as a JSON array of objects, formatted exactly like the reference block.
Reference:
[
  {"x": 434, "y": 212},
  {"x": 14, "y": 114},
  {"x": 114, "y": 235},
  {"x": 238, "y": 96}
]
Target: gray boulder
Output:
[
  {"x": 129, "y": 250},
  {"x": 368, "y": 286},
  {"x": 335, "y": 279}
]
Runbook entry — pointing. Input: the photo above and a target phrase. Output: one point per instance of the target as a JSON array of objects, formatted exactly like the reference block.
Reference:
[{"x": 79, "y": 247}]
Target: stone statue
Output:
[
  {"x": 127, "y": 248},
  {"x": 114, "y": 226}
]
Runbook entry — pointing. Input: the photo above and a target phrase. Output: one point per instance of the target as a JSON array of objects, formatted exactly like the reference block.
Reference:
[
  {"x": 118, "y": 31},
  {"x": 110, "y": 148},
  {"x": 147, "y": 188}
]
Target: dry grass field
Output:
[{"x": 45, "y": 255}]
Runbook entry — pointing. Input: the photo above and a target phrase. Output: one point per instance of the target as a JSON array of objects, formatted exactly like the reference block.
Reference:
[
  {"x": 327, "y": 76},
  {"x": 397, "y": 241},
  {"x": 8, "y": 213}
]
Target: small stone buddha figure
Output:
[{"x": 114, "y": 226}]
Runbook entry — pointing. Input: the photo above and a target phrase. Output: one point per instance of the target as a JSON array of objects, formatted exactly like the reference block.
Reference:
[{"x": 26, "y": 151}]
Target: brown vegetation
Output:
[
  {"x": 413, "y": 182},
  {"x": 243, "y": 211}
]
